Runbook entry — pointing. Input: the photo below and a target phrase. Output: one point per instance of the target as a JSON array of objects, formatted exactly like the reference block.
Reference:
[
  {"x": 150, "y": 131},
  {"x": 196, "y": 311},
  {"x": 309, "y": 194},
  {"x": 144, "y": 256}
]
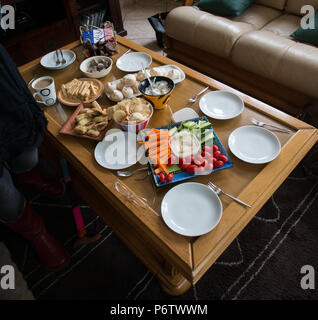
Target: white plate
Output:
[
  {"x": 169, "y": 67},
  {"x": 254, "y": 144},
  {"x": 191, "y": 209},
  {"x": 133, "y": 62},
  {"x": 126, "y": 154},
  {"x": 115, "y": 82},
  {"x": 49, "y": 60},
  {"x": 221, "y": 105}
]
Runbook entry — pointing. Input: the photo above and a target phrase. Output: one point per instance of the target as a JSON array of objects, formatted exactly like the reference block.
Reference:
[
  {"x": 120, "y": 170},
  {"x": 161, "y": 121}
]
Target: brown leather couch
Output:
[{"x": 252, "y": 52}]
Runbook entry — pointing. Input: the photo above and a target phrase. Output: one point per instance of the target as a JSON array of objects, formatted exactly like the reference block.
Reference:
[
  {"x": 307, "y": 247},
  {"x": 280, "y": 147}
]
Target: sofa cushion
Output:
[
  {"x": 279, "y": 59},
  {"x": 277, "y": 4},
  {"x": 284, "y": 25},
  {"x": 258, "y": 16},
  {"x": 299, "y": 69},
  {"x": 260, "y": 52},
  {"x": 226, "y": 8},
  {"x": 307, "y": 35},
  {"x": 204, "y": 30},
  {"x": 294, "y": 6}
]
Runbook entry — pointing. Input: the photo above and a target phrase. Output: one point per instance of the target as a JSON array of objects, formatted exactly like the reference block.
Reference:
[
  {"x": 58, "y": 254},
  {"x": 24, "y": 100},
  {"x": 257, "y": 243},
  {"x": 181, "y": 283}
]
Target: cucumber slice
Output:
[
  {"x": 189, "y": 124},
  {"x": 173, "y": 131},
  {"x": 207, "y": 137}
]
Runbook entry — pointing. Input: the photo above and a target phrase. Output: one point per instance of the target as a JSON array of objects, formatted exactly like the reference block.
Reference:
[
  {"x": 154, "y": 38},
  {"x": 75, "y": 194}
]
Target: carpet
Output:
[{"x": 263, "y": 262}]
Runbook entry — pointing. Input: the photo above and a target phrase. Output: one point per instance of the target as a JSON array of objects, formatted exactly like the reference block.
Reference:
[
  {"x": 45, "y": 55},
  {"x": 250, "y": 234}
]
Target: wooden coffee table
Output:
[{"x": 177, "y": 261}]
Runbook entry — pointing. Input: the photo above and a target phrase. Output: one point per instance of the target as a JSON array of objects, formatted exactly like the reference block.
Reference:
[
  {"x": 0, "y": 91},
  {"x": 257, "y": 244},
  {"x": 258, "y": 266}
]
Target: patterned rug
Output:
[{"x": 263, "y": 262}]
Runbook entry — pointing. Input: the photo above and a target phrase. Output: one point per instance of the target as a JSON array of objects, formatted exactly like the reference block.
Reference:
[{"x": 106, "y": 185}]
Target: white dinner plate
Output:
[
  {"x": 133, "y": 62},
  {"x": 118, "y": 150},
  {"x": 170, "y": 67},
  {"x": 254, "y": 144},
  {"x": 221, "y": 105},
  {"x": 49, "y": 60},
  {"x": 191, "y": 209}
]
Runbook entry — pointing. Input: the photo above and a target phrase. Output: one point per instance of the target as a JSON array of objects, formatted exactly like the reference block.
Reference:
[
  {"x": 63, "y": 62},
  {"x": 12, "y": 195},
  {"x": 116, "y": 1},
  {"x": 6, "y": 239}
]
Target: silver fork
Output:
[
  {"x": 57, "y": 61},
  {"x": 218, "y": 191},
  {"x": 63, "y": 60},
  {"x": 262, "y": 124},
  {"x": 129, "y": 173}
]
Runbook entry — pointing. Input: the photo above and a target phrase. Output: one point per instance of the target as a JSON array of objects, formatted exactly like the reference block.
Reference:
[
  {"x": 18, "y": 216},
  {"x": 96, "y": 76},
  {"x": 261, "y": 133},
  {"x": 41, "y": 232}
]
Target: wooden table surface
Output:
[{"x": 177, "y": 261}]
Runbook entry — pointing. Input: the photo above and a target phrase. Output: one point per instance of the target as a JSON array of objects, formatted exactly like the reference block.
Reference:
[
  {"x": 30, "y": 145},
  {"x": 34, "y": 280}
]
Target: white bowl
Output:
[{"x": 98, "y": 74}]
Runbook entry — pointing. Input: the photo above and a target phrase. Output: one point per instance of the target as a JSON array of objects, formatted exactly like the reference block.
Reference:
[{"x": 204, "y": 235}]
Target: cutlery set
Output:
[{"x": 58, "y": 61}]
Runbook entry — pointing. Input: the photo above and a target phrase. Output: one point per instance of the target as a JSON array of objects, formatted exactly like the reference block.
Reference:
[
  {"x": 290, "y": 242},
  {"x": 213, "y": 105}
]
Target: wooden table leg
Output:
[{"x": 173, "y": 282}]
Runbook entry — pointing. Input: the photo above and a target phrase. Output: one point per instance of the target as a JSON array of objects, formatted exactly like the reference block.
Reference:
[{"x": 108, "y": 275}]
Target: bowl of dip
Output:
[
  {"x": 184, "y": 144},
  {"x": 160, "y": 93}
]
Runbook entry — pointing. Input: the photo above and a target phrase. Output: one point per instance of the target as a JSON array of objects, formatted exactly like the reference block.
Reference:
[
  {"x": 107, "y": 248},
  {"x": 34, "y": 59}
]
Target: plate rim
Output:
[
  {"x": 257, "y": 128},
  {"x": 102, "y": 141},
  {"x": 59, "y": 67},
  {"x": 201, "y": 185},
  {"x": 135, "y": 70},
  {"x": 222, "y": 118}
]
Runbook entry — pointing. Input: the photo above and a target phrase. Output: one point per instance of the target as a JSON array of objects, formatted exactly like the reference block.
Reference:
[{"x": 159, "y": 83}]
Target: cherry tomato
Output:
[
  {"x": 207, "y": 148},
  {"x": 219, "y": 164},
  {"x": 223, "y": 158},
  {"x": 206, "y": 155},
  {"x": 191, "y": 168},
  {"x": 215, "y": 148},
  {"x": 198, "y": 159},
  {"x": 169, "y": 164},
  {"x": 199, "y": 170},
  {"x": 214, "y": 160},
  {"x": 209, "y": 167},
  {"x": 181, "y": 161},
  {"x": 187, "y": 160},
  {"x": 184, "y": 166},
  {"x": 162, "y": 177},
  {"x": 169, "y": 177},
  {"x": 216, "y": 154},
  {"x": 204, "y": 163}
]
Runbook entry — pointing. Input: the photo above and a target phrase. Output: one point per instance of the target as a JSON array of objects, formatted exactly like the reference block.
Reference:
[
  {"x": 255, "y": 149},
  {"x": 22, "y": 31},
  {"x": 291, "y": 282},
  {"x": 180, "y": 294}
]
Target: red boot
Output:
[
  {"x": 41, "y": 182},
  {"x": 30, "y": 226}
]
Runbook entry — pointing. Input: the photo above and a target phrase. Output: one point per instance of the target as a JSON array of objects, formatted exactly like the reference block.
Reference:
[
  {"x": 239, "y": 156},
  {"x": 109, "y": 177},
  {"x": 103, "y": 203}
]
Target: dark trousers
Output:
[{"x": 11, "y": 200}]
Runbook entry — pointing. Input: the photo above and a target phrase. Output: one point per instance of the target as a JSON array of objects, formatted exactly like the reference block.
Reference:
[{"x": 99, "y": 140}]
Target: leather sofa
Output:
[{"x": 253, "y": 52}]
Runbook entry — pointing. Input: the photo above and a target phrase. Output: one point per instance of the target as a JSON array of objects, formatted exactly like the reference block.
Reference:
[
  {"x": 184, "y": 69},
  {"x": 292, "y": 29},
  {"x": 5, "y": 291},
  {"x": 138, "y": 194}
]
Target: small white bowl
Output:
[{"x": 98, "y": 74}]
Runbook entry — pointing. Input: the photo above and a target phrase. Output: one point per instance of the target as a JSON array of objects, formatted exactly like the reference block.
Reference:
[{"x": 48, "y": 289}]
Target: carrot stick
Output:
[
  {"x": 157, "y": 170},
  {"x": 164, "y": 168}
]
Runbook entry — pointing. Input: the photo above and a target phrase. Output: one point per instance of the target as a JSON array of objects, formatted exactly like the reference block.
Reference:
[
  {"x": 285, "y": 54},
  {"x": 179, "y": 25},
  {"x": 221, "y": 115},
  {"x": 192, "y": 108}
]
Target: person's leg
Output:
[
  {"x": 18, "y": 215},
  {"x": 11, "y": 200},
  {"x": 25, "y": 171},
  {"x": 25, "y": 161}
]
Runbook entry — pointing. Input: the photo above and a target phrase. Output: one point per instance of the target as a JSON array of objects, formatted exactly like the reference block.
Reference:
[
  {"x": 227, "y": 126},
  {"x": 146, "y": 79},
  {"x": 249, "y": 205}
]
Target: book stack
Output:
[{"x": 93, "y": 18}]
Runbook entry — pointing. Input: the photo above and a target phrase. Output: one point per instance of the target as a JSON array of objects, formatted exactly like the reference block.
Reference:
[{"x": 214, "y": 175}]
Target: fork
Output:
[
  {"x": 218, "y": 191},
  {"x": 63, "y": 60},
  {"x": 129, "y": 173},
  {"x": 57, "y": 61},
  {"x": 262, "y": 124}
]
